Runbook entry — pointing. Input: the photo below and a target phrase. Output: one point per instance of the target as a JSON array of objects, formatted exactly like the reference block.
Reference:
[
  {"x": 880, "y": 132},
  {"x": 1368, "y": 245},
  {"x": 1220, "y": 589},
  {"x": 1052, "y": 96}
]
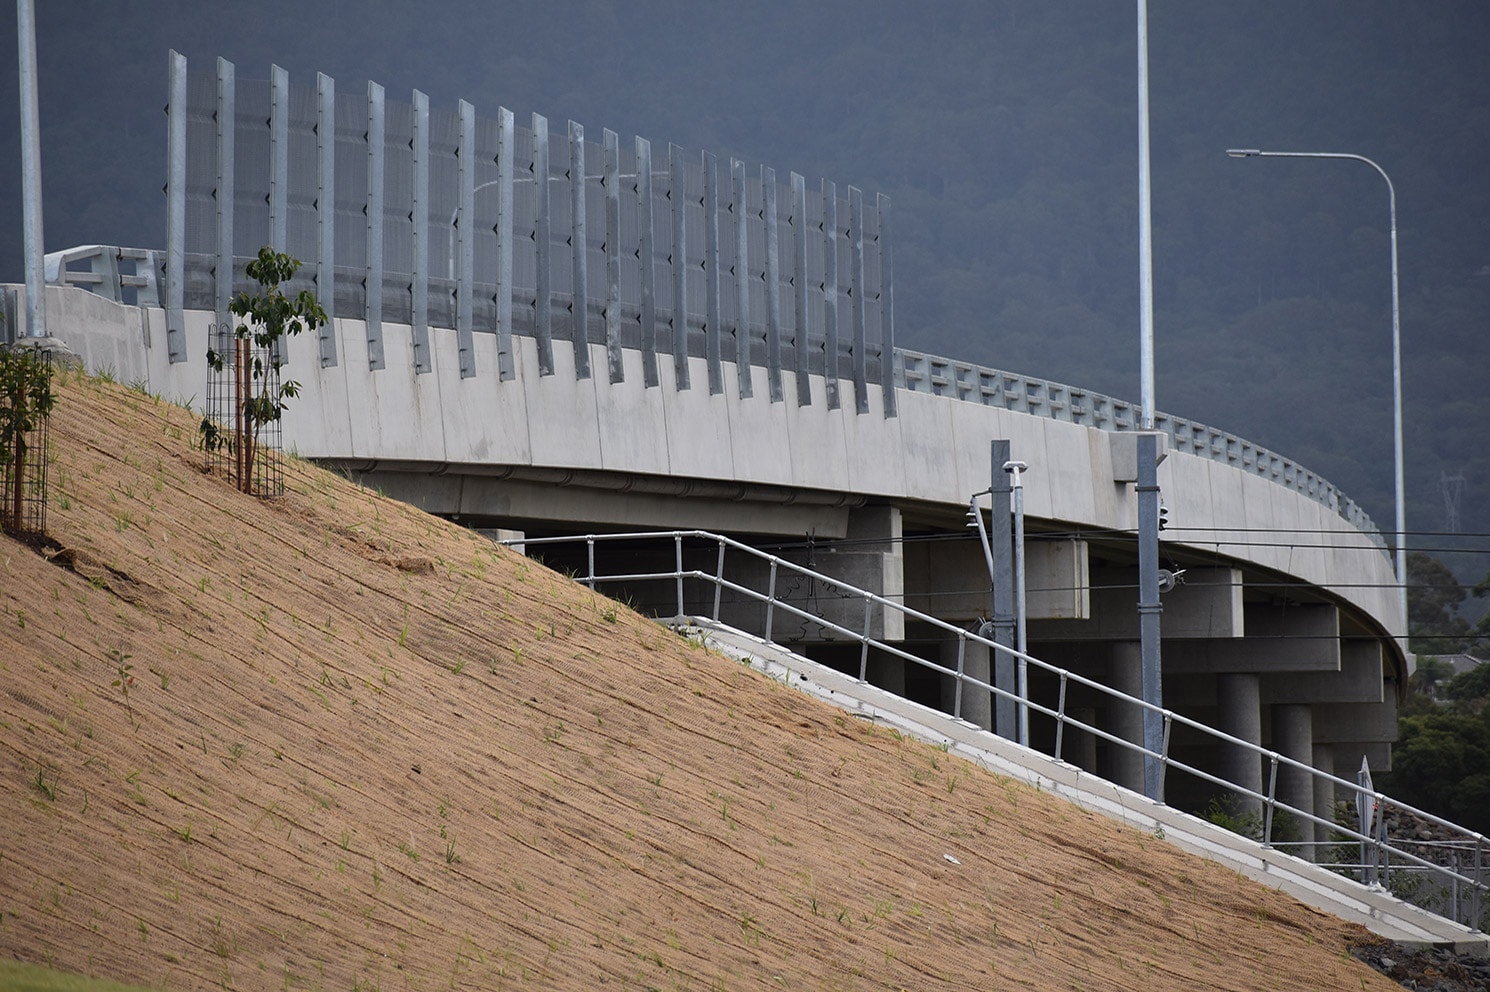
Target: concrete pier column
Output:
[
  {"x": 1078, "y": 746},
  {"x": 1293, "y": 735},
  {"x": 1125, "y": 720},
  {"x": 887, "y": 672},
  {"x": 977, "y": 704},
  {"x": 1324, "y": 791},
  {"x": 1239, "y": 700}
]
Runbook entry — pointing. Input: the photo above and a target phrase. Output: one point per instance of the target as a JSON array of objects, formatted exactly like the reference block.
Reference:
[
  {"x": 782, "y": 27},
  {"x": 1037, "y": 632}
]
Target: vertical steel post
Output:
[
  {"x": 224, "y": 193},
  {"x": 1006, "y": 717},
  {"x": 740, "y": 206},
  {"x": 279, "y": 157},
  {"x": 1272, "y": 800},
  {"x": 611, "y": 144},
  {"x": 506, "y": 142},
  {"x": 830, "y": 293},
  {"x": 543, "y": 300},
  {"x": 1060, "y": 716},
  {"x": 773, "y": 285},
  {"x": 887, "y": 307},
  {"x": 771, "y": 600},
  {"x": 799, "y": 283},
  {"x": 465, "y": 235},
  {"x": 175, "y": 296},
  {"x": 856, "y": 298},
  {"x": 377, "y": 149},
  {"x": 678, "y": 194},
  {"x": 678, "y": 566},
  {"x": 1149, "y": 607},
  {"x": 326, "y": 212},
  {"x": 718, "y": 581},
  {"x": 712, "y": 342},
  {"x": 646, "y": 251},
  {"x": 578, "y": 239},
  {"x": 419, "y": 215}
]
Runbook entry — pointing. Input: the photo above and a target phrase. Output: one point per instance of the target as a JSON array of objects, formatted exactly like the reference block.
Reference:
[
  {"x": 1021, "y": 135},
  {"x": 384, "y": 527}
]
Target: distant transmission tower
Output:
[{"x": 1452, "y": 488}]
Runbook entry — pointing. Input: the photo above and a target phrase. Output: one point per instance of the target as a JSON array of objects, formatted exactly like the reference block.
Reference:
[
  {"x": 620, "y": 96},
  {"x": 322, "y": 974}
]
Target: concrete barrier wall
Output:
[{"x": 935, "y": 450}]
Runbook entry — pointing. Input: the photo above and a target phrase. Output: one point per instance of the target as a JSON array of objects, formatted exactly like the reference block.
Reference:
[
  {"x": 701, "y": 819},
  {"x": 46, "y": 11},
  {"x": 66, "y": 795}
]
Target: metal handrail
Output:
[
  {"x": 922, "y": 373},
  {"x": 1384, "y": 854}
]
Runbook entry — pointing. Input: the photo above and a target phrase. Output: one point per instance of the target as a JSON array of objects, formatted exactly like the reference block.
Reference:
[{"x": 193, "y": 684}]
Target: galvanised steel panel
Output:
[
  {"x": 712, "y": 330},
  {"x": 223, "y": 266},
  {"x": 301, "y": 183},
  {"x": 743, "y": 322},
  {"x": 251, "y": 173},
  {"x": 612, "y": 249},
  {"x": 398, "y": 212},
  {"x": 350, "y": 162},
  {"x": 887, "y": 305},
  {"x": 579, "y": 304},
  {"x": 856, "y": 298},
  {"x": 444, "y": 199},
  {"x": 419, "y": 218},
  {"x": 279, "y": 157},
  {"x": 175, "y": 302},
  {"x": 800, "y": 344},
  {"x": 773, "y": 285},
  {"x": 506, "y": 364},
  {"x": 645, "y": 247},
  {"x": 465, "y": 223},
  {"x": 543, "y": 246},
  {"x": 484, "y": 225},
  {"x": 741, "y": 209},
  {"x": 829, "y": 229},
  {"x": 678, "y": 259},
  {"x": 326, "y": 212},
  {"x": 373, "y": 278}
]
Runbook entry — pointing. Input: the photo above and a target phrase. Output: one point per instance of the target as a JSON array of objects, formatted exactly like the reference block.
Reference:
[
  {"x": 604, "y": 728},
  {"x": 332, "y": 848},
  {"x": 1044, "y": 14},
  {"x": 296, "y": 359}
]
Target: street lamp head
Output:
[{"x": 1243, "y": 152}]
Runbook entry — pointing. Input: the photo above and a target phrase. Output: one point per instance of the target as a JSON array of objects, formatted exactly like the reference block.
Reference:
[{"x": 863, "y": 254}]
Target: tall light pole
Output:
[
  {"x": 1396, "y": 358},
  {"x": 1145, "y": 233},
  {"x": 36, "y": 304}
]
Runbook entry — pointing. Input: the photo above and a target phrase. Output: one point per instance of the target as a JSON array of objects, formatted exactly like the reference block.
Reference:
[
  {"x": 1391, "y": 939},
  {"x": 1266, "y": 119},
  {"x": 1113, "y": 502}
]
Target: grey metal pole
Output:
[
  {"x": 1145, "y": 230},
  {"x": 1006, "y": 719},
  {"x": 34, "y": 242},
  {"x": 1149, "y": 610},
  {"x": 1401, "y": 488},
  {"x": 1015, "y": 469}
]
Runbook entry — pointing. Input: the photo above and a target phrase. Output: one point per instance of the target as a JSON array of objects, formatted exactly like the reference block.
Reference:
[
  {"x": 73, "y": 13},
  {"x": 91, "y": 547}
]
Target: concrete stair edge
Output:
[{"x": 1371, "y": 906}]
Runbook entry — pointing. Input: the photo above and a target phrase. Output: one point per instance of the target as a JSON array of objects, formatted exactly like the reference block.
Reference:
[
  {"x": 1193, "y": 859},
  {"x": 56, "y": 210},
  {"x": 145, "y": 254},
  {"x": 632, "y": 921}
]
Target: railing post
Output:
[
  {"x": 864, "y": 640},
  {"x": 590, "y": 561},
  {"x": 1454, "y": 888},
  {"x": 1060, "y": 716},
  {"x": 771, "y": 602},
  {"x": 1164, "y": 757},
  {"x": 678, "y": 560},
  {"x": 718, "y": 580},
  {"x": 961, "y": 663},
  {"x": 1479, "y": 882},
  {"x": 1267, "y": 816}
]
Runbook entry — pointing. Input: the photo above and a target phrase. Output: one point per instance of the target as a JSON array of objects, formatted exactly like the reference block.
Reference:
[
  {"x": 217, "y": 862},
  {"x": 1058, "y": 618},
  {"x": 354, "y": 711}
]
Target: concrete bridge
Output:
[
  {"x": 1283, "y": 631},
  {"x": 599, "y": 341}
]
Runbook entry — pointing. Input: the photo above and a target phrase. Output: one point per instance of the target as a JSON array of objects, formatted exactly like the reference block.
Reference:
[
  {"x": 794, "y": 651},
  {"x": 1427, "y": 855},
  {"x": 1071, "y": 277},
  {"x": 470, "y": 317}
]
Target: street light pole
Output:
[
  {"x": 1401, "y": 534},
  {"x": 35, "y": 250}
]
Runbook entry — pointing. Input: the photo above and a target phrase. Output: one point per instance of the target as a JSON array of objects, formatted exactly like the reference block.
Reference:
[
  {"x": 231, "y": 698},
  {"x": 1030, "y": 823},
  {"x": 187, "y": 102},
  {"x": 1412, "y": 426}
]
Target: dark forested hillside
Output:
[{"x": 1006, "y": 134}]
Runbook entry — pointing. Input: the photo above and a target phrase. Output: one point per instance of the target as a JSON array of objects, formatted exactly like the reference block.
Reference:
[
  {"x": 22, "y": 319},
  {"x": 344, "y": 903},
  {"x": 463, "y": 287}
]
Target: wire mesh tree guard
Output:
[{"x": 26, "y": 400}]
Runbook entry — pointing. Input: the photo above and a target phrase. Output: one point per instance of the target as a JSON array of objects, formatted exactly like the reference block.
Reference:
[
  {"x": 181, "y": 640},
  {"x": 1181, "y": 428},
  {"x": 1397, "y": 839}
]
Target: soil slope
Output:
[{"x": 329, "y": 742}]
